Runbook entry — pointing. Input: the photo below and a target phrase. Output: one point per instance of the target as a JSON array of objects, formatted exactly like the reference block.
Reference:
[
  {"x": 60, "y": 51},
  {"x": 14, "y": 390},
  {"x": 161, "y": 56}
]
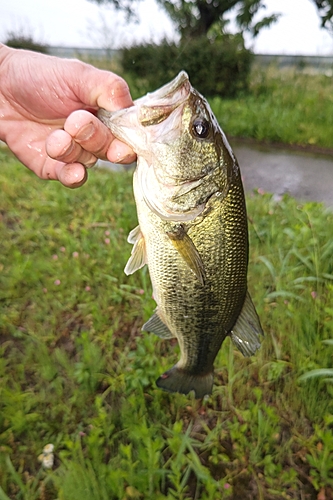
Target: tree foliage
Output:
[
  {"x": 325, "y": 9},
  {"x": 197, "y": 17},
  {"x": 194, "y": 18},
  {"x": 126, "y": 6}
]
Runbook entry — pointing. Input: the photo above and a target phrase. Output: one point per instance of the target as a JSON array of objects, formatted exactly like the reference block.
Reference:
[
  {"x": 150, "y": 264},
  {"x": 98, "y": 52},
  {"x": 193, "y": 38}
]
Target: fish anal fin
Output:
[
  {"x": 179, "y": 380},
  {"x": 157, "y": 326},
  {"x": 138, "y": 255},
  {"x": 187, "y": 249},
  {"x": 247, "y": 332}
]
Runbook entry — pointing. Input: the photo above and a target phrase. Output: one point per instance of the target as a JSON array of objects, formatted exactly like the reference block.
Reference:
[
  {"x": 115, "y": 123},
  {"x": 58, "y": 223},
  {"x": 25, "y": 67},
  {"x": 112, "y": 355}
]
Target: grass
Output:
[
  {"x": 282, "y": 106},
  {"x": 76, "y": 371}
]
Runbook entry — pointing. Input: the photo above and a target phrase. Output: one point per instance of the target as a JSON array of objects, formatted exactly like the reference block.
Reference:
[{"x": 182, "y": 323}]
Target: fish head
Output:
[{"x": 183, "y": 155}]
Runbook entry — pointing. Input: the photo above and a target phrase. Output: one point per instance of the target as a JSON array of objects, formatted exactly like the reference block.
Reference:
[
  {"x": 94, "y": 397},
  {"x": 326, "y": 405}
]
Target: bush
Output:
[
  {"x": 22, "y": 40},
  {"x": 219, "y": 68}
]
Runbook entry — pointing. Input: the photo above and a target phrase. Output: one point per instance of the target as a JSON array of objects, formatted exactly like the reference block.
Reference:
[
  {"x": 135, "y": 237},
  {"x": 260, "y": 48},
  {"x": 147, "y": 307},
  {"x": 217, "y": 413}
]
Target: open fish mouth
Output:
[
  {"x": 168, "y": 91},
  {"x": 157, "y": 106},
  {"x": 151, "y": 109}
]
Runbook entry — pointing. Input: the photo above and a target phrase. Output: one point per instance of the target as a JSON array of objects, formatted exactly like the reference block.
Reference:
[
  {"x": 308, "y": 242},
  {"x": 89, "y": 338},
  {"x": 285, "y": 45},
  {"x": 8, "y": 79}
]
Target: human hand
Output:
[{"x": 47, "y": 114}]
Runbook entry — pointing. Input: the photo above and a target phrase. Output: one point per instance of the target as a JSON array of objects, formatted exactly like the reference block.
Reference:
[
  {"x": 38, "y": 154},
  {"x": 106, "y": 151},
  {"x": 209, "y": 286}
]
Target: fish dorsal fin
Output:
[
  {"x": 138, "y": 254},
  {"x": 187, "y": 249},
  {"x": 156, "y": 325},
  {"x": 247, "y": 330}
]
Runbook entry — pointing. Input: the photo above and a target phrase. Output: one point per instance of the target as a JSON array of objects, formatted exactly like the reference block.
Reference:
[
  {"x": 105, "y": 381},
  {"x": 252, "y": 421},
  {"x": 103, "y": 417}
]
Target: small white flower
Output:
[
  {"x": 48, "y": 449},
  {"x": 47, "y": 457},
  {"x": 48, "y": 460}
]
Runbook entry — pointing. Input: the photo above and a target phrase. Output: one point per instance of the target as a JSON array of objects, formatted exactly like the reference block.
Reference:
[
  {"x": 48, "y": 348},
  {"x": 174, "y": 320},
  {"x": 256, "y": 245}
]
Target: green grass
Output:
[
  {"x": 76, "y": 371},
  {"x": 281, "y": 106}
]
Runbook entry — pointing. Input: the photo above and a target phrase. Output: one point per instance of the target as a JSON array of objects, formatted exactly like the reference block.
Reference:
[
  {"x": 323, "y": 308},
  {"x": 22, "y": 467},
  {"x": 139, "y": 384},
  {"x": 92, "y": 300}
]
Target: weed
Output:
[{"x": 76, "y": 371}]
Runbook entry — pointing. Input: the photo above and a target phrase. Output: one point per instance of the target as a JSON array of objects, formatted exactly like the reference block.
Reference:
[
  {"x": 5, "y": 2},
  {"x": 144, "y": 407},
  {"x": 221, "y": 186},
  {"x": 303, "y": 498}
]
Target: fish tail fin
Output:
[{"x": 179, "y": 380}]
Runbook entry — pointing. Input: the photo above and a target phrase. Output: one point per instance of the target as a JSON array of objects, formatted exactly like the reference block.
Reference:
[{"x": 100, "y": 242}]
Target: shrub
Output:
[
  {"x": 219, "y": 68},
  {"x": 22, "y": 40}
]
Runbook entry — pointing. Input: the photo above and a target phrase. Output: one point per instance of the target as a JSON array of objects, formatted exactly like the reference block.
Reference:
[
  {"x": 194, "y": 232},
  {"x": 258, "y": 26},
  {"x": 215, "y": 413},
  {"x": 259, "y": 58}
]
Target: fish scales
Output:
[
  {"x": 186, "y": 305},
  {"x": 192, "y": 231}
]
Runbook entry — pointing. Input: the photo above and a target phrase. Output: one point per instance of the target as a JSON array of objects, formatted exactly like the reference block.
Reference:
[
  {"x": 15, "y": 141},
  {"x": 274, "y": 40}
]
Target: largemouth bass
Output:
[{"x": 192, "y": 230}]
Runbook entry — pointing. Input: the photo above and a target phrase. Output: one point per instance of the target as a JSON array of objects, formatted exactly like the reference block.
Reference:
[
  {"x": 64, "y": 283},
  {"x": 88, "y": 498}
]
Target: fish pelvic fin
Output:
[
  {"x": 179, "y": 380},
  {"x": 247, "y": 332},
  {"x": 138, "y": 256},
  {"x": 157, "y": 326},
  {"x": 187, "y": 249}
]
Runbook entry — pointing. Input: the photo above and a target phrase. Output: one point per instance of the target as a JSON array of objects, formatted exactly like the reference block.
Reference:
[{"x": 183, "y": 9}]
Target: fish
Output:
[{"x": 192, "y": 231}]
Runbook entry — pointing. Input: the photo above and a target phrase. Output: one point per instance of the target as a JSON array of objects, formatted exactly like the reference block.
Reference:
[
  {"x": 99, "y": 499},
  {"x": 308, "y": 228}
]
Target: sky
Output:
[{"x": 80, "y": 23}]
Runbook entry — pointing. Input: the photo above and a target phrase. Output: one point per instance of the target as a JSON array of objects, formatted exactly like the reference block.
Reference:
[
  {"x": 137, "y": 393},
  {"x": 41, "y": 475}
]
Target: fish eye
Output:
[{"x": 201, "y": 128}]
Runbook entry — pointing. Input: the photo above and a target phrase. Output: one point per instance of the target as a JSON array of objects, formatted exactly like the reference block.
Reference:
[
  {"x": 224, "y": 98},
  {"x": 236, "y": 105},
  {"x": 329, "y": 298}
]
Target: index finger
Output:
[
  {"x": 104, "y": 89},
  {"x": 93, "y": 136},
  {"x": 89, "y": 132}
]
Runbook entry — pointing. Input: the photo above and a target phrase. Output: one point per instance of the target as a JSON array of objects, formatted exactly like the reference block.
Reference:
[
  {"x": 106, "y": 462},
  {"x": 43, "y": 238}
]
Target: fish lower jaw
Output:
[{"x": 171, "y": 213}]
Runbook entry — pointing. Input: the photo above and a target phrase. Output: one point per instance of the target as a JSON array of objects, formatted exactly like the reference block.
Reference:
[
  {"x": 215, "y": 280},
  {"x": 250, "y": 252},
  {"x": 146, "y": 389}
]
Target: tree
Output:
[
  {"x": 193, "y": 18},
  {"x": 202, "y": 17}
]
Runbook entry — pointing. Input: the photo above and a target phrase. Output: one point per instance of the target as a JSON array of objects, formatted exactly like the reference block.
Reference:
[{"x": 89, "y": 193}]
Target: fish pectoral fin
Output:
[
  {"x": 156, "y": 325},
  {"x": 138, "y": 255},
  {"x": 247, "y": 330},
  {"x": 187, "y": 249}
]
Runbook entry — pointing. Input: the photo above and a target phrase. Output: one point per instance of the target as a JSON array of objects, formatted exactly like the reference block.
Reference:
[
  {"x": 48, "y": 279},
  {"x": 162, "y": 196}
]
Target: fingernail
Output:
[
  {"x": 73, "y": 177},
  {"x": 86, "y": 132},
  {"x": 125, "y": 159},
  {"x": 66, "y": 151}
]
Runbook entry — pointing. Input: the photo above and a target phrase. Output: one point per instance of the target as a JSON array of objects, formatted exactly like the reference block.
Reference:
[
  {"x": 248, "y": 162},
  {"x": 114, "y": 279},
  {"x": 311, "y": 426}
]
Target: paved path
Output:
[{"x": 305, "y": 176}]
